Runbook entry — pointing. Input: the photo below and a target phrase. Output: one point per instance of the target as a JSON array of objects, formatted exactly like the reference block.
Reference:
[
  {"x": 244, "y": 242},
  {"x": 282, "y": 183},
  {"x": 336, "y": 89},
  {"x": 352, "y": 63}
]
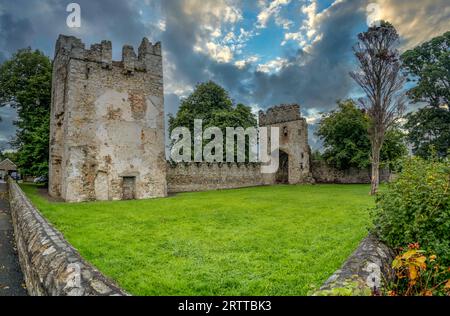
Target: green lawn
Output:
[{"x": 279, "y": 240}]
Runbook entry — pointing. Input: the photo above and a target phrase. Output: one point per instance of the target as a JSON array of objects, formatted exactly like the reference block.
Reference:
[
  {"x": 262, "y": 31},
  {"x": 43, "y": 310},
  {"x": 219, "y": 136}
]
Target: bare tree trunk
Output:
[
  {"x": 376, "y": 149},
  {"x": 381, "y": 79}
]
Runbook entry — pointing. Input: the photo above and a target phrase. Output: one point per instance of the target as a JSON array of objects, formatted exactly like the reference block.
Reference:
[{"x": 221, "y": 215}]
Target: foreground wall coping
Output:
[
  {"x": 364, "y": 272},
  {"x": 51, "y": 266}
]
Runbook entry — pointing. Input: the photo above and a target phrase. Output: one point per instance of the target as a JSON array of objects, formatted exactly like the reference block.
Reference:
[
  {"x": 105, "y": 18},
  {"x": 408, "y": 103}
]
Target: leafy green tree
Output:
[
  {"x": 11, "y": 155},
  {"x": 428, "y": 130},
  {"x": 25, "y": 83},
  {"x": 212, "y": 104},
  {"x": 316, "y": 155},
  {"x": 346, "y": 139},
  {"x": 428, "y": 65}
]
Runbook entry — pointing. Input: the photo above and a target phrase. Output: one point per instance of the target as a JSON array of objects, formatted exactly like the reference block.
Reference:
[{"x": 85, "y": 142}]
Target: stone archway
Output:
[{"x": 282, "y": 176}]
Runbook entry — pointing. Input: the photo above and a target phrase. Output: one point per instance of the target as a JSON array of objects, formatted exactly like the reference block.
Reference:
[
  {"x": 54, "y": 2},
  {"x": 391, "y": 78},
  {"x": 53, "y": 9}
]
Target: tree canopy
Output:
[
  {"x": 428, "y": 66},
  {"x": 429, "y": 131},
  {"x": 346, "y": 139},
  {"x": 25, "y": 83},
  {"x": 212, "y": 104}
]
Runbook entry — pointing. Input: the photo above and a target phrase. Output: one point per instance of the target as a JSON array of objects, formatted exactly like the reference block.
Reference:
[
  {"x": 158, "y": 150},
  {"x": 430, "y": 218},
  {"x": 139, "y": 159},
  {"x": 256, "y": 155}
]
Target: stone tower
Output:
[
  {"x": 294, "y": 149},
  {"x": 107, "y": 123}
]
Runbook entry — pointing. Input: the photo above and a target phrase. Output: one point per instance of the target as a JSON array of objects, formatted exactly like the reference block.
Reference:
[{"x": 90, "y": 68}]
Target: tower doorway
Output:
[{"x": 282, "y": 176}]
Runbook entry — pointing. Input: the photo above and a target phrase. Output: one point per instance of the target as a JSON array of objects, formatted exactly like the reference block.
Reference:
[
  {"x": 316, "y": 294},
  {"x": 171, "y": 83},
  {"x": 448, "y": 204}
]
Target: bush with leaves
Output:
[
  {"x": 419, "y": 273},
  {"x": 416, "y": 207}
]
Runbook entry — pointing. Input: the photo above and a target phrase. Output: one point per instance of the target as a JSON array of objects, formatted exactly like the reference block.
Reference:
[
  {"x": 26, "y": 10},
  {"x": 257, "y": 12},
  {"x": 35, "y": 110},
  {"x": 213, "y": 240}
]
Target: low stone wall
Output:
[
  {"x": 192, "y": 177},
  {"x": 364, "y": 271},
  {"x": 323, "y": 173},
  {"x": 51, "y": 266}
]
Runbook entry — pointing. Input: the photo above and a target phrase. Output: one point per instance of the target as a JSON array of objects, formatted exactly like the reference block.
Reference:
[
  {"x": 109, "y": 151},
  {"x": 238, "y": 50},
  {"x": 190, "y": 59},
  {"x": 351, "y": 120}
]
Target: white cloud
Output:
[
  {"x": 309, "y": 33},
  {"x": 283, "y": 22},
  {"x": 172, "y": 82},
  {"x": 273, "y": 9},
  {"x": 273, "y": 66},
  {"x": 297, "y": 36},
  {"x": 247, "y": 61},
  {"x": 417, "y": 21},
  {"x": 214, "y": 18},
  {"x": 220, "y": 53}
]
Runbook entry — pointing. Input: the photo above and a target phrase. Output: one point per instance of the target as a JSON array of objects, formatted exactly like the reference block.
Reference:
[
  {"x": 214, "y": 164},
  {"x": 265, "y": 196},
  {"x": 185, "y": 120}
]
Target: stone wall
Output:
[
  {"x": 191, "y": 177},
  {"x": 364, "y": 272},
  {"x": 323, "y": 173},
  {"x": 51, "y": 266}
]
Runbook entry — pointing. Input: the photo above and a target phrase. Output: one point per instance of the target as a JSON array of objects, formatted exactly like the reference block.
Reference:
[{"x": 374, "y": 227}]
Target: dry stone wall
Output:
[
  {"x": 365, "y": 271},
  {"x": 51, "y": 266},
  {"x": 323, "y": 173},
  {"x": 191, "y": 177}
]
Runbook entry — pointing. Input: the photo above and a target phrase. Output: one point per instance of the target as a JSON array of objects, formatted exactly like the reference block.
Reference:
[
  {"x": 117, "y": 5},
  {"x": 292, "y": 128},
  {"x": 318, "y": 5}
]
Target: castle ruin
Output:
[
  {"x": 107, "y": 123},
  {"x": 294, "y": 157},
  {"x": 107, "y": 131}
]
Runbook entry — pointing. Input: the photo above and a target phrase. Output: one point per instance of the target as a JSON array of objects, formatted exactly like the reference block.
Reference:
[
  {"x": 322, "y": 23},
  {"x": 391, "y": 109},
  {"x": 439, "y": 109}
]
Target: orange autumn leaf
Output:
[
  {"x": 421, "y": 262},
  {"x": 413, "y": 274},
  {"x": 447, "y": 285}
]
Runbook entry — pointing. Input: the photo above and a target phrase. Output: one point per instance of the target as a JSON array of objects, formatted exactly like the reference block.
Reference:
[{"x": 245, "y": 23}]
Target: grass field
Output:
[{"x": 280, "y": 240}]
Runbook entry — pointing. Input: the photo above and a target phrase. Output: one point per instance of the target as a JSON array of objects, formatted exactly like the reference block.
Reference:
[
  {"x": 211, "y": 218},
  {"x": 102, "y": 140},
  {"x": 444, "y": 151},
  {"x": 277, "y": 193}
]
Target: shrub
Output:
[
  {"x": 418, "y": 273},
  {"x": 416, "y": 208}
]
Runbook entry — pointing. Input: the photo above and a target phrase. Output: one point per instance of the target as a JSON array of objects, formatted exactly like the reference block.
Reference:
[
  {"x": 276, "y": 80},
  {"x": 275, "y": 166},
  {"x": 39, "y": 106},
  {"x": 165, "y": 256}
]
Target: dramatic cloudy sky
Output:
[{"x": 263, "y": 52}]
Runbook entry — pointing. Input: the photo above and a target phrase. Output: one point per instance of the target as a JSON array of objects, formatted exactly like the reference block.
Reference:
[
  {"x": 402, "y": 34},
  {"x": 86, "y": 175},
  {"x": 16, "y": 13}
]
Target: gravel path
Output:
[{"x": 11, "y": 278}]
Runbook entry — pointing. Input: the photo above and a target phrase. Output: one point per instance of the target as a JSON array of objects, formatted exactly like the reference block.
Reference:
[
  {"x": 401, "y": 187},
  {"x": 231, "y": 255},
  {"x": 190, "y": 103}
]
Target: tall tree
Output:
[
  {"x": 429, "y": 131},
  {"x": 25, "y": 83},
  {"x": 346, "y": 139},
  {"x": 428, "y": 65},
  {"x": 380, "y": 78},
  {"x": 212, "y": 104}
]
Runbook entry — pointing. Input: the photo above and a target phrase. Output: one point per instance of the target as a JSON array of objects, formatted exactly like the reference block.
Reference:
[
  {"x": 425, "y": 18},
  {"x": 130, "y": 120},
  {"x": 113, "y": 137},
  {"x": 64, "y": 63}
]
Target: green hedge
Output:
[{"x": 416, "y": 207}]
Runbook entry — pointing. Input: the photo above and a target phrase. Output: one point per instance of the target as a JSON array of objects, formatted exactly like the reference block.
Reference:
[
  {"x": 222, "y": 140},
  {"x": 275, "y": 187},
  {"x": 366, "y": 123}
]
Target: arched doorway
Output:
[{"x": 282, "y": 176}]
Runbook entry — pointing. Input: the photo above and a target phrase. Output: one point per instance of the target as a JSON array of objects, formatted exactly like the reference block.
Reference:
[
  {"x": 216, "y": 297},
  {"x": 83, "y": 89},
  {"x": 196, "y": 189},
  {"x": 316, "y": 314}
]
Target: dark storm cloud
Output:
[
  {"x": 38, "y": 23},
  {"x": 15, "y": 32},
  {"x": 7, "y": 131},
  {"x": 323, "y": 77},
  {"x": 315, "y": 80}
]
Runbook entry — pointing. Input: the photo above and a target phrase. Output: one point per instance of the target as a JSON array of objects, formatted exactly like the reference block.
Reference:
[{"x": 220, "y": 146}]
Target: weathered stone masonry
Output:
[
  {"x": 323, "y": 173},
  {"x": 107, "y": 123},
  {"x": 367, "y": 270},
  {"x": 294, "y": 148},
  {"x": 192, "y": 177},
  {"x": 51, "y": 266}
]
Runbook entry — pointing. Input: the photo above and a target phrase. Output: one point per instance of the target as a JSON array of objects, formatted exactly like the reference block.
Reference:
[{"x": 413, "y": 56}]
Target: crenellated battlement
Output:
[
  {"x": 280, "y": 114},
  {"x": 149, "y": 55}
]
